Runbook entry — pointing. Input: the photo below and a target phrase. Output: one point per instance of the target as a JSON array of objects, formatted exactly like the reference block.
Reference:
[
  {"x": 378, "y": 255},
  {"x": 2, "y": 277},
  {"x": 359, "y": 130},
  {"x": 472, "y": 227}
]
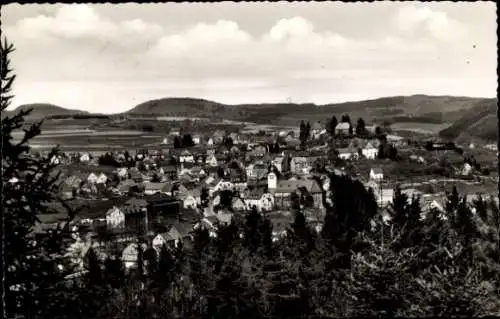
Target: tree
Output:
[
  {"x": 378, "y": 130},
  {"x": 177, "y": 142},
  {"x": 204, "y": 197},
  {"x": 345, "y": 119},
  {"x": 360, "y": 127},
  {"x": 331, "y": 125},
  {"x": 33, "y": 266},
  {"x": 228, "y": 142},
  {"x": 187, "y": 141}
]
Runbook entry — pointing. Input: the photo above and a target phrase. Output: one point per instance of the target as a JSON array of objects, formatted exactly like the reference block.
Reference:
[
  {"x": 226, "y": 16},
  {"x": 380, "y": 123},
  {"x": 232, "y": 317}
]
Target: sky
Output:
[{"x": 108, "y": 58}]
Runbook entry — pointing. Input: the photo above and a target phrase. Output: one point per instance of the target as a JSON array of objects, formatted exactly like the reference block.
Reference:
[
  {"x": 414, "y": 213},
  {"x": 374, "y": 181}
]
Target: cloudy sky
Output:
[{"x": 109, "y": 58}]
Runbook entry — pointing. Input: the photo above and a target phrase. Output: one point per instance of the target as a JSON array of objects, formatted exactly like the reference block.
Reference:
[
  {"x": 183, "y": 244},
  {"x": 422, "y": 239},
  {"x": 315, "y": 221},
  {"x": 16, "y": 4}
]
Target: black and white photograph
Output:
[{"x": 273, "y": 159}]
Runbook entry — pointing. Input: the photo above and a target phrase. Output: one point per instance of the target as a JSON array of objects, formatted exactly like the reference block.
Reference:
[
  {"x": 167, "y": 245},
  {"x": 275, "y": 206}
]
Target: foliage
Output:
[{"x": 34, "y": 264}]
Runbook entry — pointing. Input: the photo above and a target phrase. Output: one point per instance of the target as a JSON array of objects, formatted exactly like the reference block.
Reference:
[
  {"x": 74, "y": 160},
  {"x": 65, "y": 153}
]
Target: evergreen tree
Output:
[
  {"x": 204, "y": 197},
  {"x": 177, "y": 142},
  {"x": 360, "y": 127},
  {"x": 346, "y": 119},
  {"x": 187, "y": 141},
  {"x": 331, "y": 125},
  {"x": 32, "y": 265}
]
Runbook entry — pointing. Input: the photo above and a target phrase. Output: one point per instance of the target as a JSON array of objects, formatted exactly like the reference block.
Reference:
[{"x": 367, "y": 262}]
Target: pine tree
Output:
[
  {"x": 32, "y": 271},
  {"x": 360, "y": 127}
]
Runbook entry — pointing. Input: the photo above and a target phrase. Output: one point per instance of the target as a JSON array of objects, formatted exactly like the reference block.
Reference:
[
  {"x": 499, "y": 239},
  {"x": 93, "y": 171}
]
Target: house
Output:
[
  {"x": 85, "y": 158},
  {"x": 210, "y": 142},
  {"x": 467, "y": 169},
  {"x": 115, "y": 218},
  {"x": 102, "y": 179},
  {"x": 186, "y": 157},
  {"x": 342, "y": 128},
  {"x": 224, "y": 218},
  {"x": 196, "y": 139},
  {"x": 189, "y": 202},
  {"x": 376, "y": 174},
  {"x": 160, "y": 204},
  {"x": 282, "y": 190},
  {"x": 348, "y": 153},
  {"x": 170, "y": 171},
  {"x": 261, "y": 200},
  {"x": 384, "y": 196},
  {"x": 153, "y": 188},
  {"x": 279, "y": 229},
  {"x": 122, "y": 172},
  {"x": 278, "y": 163},
  {"x": 92, "y": 178},
  {"x": 238, "y": 204},
  {"x": 209, "y": 224},
  {"x": 299, "y": 164},
  {"x": 172, "y": 238},
  {"x": 131, "y": 253},
  {"x": 55, "y": 160},
  {"x": 369, "y": 151},
  {"x": 212, "y": 161},
  {"x": 316, "y": 130},
  {"x": 257, "y": 170},
  {"x": 67, "y": 191},
  {"x": 124, "y": 186}
]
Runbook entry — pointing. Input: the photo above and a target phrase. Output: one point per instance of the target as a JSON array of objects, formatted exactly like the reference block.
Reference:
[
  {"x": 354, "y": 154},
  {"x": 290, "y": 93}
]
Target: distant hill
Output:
[
  {"x": 416, "y": 108},
  {"x": 43, "y": 110},
  {"x": 479, "y": 122}
]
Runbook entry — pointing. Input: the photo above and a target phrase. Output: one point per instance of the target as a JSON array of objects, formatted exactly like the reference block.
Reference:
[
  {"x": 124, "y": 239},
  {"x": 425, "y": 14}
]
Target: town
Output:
[{"x": 153, "y": 197}]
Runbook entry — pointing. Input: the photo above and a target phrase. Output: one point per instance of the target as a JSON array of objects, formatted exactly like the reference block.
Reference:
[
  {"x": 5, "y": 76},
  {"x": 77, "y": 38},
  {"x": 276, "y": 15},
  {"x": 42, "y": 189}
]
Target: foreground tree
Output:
[{"x": 34, "y": 265}]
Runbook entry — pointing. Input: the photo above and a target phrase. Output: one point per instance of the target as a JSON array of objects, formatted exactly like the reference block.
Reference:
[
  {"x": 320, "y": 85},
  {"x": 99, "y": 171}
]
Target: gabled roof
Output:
[
  {"x": 377, "y": 170},
  {"x": 154, "y": 186}
]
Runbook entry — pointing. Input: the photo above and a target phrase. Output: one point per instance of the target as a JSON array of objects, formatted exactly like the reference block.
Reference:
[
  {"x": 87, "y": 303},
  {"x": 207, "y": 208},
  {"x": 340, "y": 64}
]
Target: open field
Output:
[{"x": 418, "y": 127}]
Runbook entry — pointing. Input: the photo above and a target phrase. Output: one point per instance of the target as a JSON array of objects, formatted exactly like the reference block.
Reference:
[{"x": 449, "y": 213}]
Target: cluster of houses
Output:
[{"x": 169, "y": 192}]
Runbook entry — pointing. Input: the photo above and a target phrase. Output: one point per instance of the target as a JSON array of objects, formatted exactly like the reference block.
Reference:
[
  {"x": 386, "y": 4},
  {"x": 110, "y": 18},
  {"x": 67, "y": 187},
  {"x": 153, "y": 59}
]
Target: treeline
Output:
[{"x": 79, "y": 116}]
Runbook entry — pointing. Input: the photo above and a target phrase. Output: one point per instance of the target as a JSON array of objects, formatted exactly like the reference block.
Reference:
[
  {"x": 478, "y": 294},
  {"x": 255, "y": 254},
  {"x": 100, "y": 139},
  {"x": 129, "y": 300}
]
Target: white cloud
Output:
[{"x": 291, "y": 58}]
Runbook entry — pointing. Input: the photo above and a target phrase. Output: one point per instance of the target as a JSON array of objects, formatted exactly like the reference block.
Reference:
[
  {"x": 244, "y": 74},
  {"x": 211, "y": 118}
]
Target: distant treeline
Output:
[{"x": 78, "y": 116}]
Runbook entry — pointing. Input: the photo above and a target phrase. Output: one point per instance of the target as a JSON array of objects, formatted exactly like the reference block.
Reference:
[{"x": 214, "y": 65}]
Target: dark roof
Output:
[{"x": 159, "y": 197}]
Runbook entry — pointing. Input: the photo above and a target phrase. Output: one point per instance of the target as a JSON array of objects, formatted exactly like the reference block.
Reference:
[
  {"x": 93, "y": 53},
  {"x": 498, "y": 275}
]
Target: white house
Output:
[
  {"x": 210, "y": 142},
  {"x": 348, "y": 153},
  {"x": 130, "y": 255},
  {"x": 467, "y": 169},
  {"x": 122, "y": 172},
  {"x": 85, "y": 157},
  {"x": 158, "y": 241},
  {"x": 55, "y": 160},
  {"x": 92, "y": 179},
  {"x": 342, "y": 128},
  {"x": 189, "y": 201},
  {"x": 115, "y": 218},
  {"x": 384, "y": 196},
  {"x": 102, "y": 179},
  {"x": 264, "y": 202},
  {"x": 278, "y": 163},
  {"x": 153, "y": 188},
  {"x": 376, "y": 174},
  {"x": 369, "y": 151},
  {"x": 196, "y": 139},
  {"x": 186, "y": 157},
  {"x": 211, "y": 161}
]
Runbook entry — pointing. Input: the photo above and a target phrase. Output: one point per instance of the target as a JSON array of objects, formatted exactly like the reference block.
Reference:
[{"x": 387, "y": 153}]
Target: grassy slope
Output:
[
  {"x": 480, "y": 122},
  {"x": 42, "y": 110}
]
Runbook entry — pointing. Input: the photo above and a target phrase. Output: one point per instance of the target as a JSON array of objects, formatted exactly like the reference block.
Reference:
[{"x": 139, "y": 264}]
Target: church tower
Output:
[{"x": 272, "y": 180}]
